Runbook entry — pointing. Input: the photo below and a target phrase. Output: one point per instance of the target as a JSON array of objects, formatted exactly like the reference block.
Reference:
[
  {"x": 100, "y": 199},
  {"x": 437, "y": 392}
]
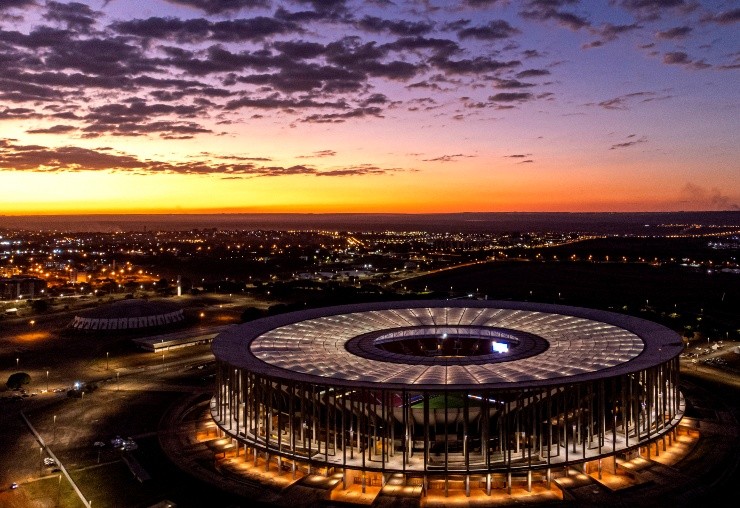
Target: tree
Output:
[
  {"x": 251, "y": 313},
  {"x": 40, "y": 305},
  {"x": 15, "y": 381}
]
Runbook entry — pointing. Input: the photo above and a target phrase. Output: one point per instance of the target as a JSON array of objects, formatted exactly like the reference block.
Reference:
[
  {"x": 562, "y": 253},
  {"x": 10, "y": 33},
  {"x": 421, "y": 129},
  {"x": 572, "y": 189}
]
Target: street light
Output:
[
  {"x": 17, "y": 362},
  {"x": 107, "y": 355},
  {"x": 47, "y": 381}
]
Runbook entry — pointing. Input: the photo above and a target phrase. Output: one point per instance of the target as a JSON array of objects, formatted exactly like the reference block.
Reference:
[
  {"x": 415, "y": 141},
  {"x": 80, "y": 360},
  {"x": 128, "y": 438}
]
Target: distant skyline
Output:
[{"x": 185, "y": 106}]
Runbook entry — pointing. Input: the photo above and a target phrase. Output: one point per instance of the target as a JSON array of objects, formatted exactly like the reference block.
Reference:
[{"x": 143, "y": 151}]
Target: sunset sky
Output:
[{"x": 164, "y": 106}]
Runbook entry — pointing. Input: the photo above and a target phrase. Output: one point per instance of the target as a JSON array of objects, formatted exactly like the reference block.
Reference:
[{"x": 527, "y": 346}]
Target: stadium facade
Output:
[{"x": 475, "y": 393}]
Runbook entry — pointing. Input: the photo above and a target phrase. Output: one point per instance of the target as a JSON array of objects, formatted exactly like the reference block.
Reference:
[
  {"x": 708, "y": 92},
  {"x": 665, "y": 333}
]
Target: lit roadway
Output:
[
  {"x": 439, "y": 270},
  {"x": 137, "y": 372},
  {"x": 483, "y": 261}
]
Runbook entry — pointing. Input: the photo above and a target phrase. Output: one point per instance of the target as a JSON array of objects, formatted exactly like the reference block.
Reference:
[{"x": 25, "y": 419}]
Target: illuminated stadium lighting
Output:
[{"x": 368, "y": 389}]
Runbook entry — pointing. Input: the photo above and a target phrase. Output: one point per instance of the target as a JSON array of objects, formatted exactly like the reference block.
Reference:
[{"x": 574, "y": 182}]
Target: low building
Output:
[{"x": 12, "y": 288}]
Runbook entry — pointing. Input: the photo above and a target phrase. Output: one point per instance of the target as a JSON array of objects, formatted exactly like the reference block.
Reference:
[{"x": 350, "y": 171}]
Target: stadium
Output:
[
  {"x": 477, "y": 394},
  {"x": 129, "y": 315}
]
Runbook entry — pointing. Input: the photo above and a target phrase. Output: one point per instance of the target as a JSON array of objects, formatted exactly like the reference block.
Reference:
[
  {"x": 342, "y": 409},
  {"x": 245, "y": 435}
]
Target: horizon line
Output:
[{"x": 185, "y": 213}]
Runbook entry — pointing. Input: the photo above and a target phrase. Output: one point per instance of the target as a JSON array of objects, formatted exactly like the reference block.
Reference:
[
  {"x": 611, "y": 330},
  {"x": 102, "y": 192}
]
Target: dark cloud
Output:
[
  {"x": 301, "y": 50},
  {"x": 13, "y": 4},
  {"x": 165, "y": 129},
  {"x": 681, "y": 58},
  {"x": 511, "y": 97},
  {"x": 276, "y": 101},
  {"x": 593, "y": 44},
  {"x": 175, "y": 63},
  {"x": 37, "y": 158},
  {"x": 531, "y": 53},
  {"x": 550, "y": 4},
  {"x": 137, "y": 117},
  {"x": 476, "y": 65},
  {"x": 532, "y": 73},
  {"x": 733, "y": 64},
  {"x": 190, "y": 30},
  {"x": 547, "y": 10},
  {"x": 73, "y": 71},
  {"x": 518, "y": 156},
  {"x": 650, "y": 10},
  {"x": 17, "y": 90},
  {"x": 74, "y": 15},
  {"x": 455, "y": 26},
  {"x": 511, "y": 83},
  {"x": 608, "y": 33},
  {"x": 221, "y": 6},
  {"x": 482, "y": 3},
  {"x": 237, "y": 158},
  {"x": 676, "y": 57},
  {"x": 195, "y": 30},
  {"x": 94, "y": 56},
  {"x": 342, "y": 117},
  {"x": 323, "y": 10},
  {"x": 320, "y": 153},
  {"x": 56, "y": 129},
  {"x": 441, "y": 47},
  {"x": 368, "y": 58},
  {"x": 449, "y": 158},
  {"x": 376, "y": 98},
  {"x": 137, "y": 110},
  {"x": 678, "y": 32},
  {"x": 17, "y": 113},
  {"x": 306, "y": 77},
  {"x": 623, "y": 102},
  {"x": 361, "y": 170},
  {"x": 216, "y": 59},
  {"x": 398, "y": 27},
  {"x": 632, "y": 142},
  {"x": 724, "y": 17},
  {"x": 496, "y": 29}
]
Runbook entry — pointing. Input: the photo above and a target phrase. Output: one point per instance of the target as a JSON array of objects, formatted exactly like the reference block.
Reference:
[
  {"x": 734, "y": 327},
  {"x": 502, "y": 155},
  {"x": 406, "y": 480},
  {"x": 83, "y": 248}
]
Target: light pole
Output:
[
  {"x": 47, "y": 381},
  {"x": 17, "y": 362},
  {"x": 107, "y": 355},
  {"x": 54, "y": 436}
]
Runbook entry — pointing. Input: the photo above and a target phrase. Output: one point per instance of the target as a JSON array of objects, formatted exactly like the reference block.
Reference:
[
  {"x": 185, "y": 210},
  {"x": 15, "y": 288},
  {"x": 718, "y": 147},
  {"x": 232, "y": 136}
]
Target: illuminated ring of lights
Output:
[
  {"x": 519, "y": 344},
  {"x": 583, "y": 344}
]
